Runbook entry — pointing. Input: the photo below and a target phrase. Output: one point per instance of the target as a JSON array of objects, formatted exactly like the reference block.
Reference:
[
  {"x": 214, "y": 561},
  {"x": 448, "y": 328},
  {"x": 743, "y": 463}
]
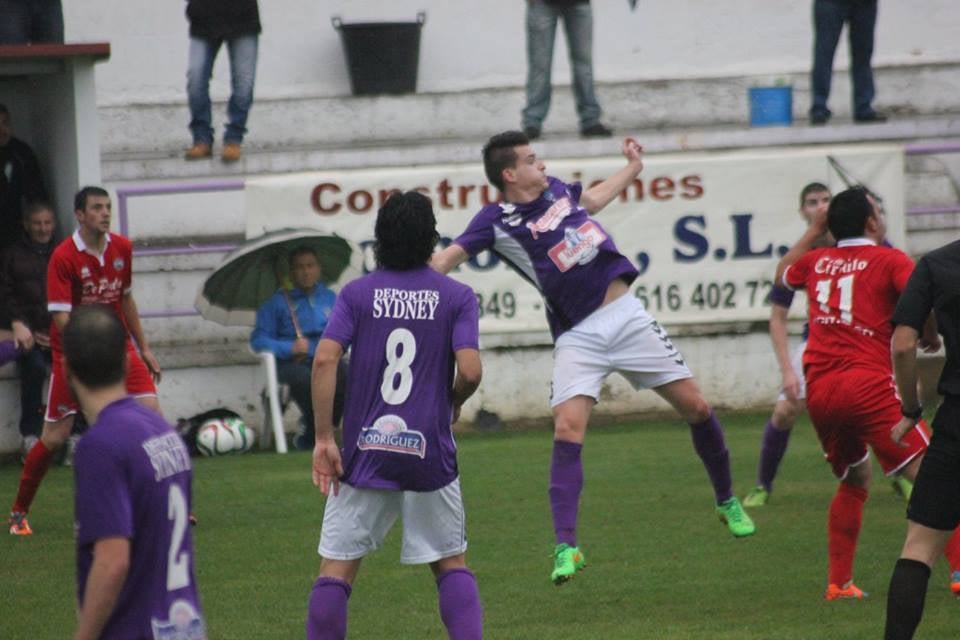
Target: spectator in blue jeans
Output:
[
  {"x": 828, "y": 19},
  {"x": 23, "y": 304},
  {"x": 213, "y": 23},
  {"x": 289, "y": 324},
  {"x": 542, "y": 17},
  {"x": 31, "y": 22}
]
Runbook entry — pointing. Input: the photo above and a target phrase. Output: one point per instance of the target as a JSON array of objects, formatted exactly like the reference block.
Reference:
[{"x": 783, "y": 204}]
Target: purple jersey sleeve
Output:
[
  {"x": 479, "y": 234},
  {"x": 466, "y": 327},
  {"x": 342, "y": 324},
  {"x": 103, "y": 501}
]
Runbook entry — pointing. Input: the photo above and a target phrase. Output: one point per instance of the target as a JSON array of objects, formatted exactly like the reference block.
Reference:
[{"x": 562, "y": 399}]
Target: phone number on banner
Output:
[{"x": 693, "y": 296}]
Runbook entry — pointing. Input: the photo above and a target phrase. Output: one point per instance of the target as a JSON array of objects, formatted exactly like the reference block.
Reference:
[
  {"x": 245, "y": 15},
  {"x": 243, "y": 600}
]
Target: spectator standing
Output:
[
  {"x": 20, "y": 178},
  {"x": 213, "y": 23},
  {"x": 289, "y": 325},
  {"x": 542, "y": 17},
  {"x": 828, "y": 19},
  {"x": 31, "y": 21},
  {"x": 23, "y": 294}
]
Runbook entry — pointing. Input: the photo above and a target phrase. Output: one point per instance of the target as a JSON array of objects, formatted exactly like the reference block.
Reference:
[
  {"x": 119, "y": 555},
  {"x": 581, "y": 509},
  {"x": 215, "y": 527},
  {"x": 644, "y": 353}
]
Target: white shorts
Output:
[
  {"x": 619, "y": 337},
  {"x": 356, "y": 521},
  {"x": 796, "y": 361}
]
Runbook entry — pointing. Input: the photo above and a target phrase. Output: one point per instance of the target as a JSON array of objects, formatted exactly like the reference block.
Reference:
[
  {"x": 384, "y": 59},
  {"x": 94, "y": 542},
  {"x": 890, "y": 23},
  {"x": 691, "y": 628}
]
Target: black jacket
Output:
[
  {"x": 23, "y": 284},
  {"x": 221, "y": 19},
  {"x": 20, "y": 182}
]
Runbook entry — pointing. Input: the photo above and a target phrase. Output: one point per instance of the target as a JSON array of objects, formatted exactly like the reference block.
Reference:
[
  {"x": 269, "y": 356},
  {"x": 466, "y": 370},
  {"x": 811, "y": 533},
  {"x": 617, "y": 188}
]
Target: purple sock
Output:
[
  {"x": 566, "y": 483},
  {"x": 710, "y": 446},
  {"x": 8, "y": 351},
  {"x": 460, "y": 607},
  {"x": 771, "y": 453},
  {"x": 327, "y": 609}
]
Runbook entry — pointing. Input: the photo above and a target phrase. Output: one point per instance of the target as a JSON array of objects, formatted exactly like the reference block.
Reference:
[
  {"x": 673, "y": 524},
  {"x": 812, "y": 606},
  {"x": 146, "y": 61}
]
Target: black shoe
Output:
[
  {"x": 596, "y": 131},
  {"x": 819, "y": 119},
  {"x": 532, "y": 133},
  {"x": 874, "y": 117}
]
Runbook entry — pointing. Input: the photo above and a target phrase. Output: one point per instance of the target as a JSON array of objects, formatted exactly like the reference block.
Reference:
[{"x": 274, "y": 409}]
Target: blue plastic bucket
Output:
[{"x": 771, "y": 106}]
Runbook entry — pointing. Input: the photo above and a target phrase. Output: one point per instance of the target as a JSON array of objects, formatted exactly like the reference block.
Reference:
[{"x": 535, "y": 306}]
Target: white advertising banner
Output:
[{"x": 705, "y": 229}]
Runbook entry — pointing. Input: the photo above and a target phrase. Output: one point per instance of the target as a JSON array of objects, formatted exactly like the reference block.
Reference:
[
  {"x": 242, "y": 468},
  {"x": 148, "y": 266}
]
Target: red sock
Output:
[
  {"x": 34, "y": 468},
  {"x": 843, "y": 529},
  {"x": 953, "y": 550}
]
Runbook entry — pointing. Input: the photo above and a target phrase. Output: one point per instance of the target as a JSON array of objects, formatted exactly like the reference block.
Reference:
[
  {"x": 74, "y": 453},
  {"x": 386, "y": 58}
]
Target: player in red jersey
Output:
[
  {"x": 93, "y": 266},
  {"x": 852, "y": 290}
]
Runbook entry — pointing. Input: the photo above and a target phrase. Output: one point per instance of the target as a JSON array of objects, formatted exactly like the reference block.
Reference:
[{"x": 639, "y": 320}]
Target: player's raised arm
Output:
[
  {"x": 597, "y": 197},
  {"x": 816, "y": 229},
  {"x": 448, "y": 259}
]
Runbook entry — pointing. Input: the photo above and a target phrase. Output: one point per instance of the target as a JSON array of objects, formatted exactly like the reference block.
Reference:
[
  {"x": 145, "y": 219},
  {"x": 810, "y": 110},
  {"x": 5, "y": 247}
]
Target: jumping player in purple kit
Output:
[
  {"x": 545, "y": 230},
  {"x": 135, "y": 574},
  {"x": 413, "y": 335}
]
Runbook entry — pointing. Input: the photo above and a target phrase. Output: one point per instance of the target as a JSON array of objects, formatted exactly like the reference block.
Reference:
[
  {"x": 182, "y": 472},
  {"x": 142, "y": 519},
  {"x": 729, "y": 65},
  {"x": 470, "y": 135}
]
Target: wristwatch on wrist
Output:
[{"x": 916, "y": 414}]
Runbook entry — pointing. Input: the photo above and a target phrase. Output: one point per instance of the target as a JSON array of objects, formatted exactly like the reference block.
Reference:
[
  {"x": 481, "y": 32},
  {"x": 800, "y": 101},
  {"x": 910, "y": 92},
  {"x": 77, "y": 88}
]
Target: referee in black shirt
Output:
[{"x": 934, "y": 510}]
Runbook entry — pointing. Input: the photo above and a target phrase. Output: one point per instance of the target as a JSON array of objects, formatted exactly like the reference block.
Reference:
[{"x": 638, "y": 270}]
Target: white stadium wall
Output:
[{"x": 476, "y": 45}]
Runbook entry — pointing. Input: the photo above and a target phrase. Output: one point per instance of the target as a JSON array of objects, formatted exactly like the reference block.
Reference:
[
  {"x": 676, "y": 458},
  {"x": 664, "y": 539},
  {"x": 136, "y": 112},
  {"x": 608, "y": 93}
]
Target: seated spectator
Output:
[
  {"x": 23, "y": 286},
  {"x": 20, "y": 180},
  {"x": 31, "y": 22},
  {"x": 289, "y": 325}
]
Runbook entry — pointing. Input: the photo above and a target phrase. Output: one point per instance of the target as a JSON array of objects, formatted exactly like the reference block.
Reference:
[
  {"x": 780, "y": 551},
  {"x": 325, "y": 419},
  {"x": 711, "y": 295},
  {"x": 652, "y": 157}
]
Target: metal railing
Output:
[{"x": 124, "y": 194}]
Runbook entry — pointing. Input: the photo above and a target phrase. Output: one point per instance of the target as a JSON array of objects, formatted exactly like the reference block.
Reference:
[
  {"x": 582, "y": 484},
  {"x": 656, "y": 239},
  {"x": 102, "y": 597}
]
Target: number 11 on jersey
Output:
[{"x": 845, "y": 285}]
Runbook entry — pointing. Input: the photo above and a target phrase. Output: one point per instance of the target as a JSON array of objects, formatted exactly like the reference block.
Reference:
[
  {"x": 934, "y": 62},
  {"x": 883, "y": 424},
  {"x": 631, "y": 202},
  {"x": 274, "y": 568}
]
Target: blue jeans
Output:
[
  {"x": 828, "y": 19},
  {"x": 25, "y": 21},
  {"x": 33, "y": 366},
  {"x": 541, "y": 32},
  {"x": 297, "y": 374},
  {"x": 243, "y": 68}
]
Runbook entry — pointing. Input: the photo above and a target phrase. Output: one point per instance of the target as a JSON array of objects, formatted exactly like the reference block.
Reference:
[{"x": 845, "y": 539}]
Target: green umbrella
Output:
[{"x": 252, "y": 272}]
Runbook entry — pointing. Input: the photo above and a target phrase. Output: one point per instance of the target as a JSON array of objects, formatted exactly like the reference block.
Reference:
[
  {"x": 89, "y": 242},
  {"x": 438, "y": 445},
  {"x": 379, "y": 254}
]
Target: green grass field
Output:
[{"x": 660, "y": 563}]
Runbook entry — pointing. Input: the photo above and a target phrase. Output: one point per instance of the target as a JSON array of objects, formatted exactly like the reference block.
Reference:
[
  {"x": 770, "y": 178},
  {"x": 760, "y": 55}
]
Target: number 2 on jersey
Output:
[
  {"x": 845, "y": 284},
  {"x": 398, "y": 366},
  {"x": 178, "y": 563}
]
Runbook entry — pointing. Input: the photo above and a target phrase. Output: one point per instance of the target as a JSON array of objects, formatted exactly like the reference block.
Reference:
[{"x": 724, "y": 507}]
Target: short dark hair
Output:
[
  {"x": 4, "y": 110},
  {"x": 406, "y": 231},
  {"x": 813, "y": 187},
  {"x": 95, "y": 346},
  {"x": 80, "y": 200},
  {"x": 848, "y": 213},
  {"x": 34, "y": 206},
  {"x": 499, "y": 154},
  {"x": 301, "y": 251}
]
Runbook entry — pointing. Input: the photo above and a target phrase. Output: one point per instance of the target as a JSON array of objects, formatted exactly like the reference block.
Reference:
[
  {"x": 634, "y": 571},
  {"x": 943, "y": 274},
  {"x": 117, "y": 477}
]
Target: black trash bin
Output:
[{"x": 382, "y": 57}]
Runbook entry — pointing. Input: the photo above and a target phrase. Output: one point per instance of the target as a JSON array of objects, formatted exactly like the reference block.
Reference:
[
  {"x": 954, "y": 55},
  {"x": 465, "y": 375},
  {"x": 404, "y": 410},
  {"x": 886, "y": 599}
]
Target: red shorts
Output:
[
  {"x": 853, "y": 409},
  {"x": 60, "y": 400}
]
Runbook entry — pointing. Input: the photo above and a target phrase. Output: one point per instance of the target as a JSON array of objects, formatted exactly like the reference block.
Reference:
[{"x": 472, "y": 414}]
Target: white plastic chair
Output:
[{"x": 275, "y": 416}]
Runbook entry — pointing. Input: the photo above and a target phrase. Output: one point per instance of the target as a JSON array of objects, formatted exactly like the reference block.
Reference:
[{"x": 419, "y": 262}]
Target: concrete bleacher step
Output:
[{"x": 128, "y": 166}]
